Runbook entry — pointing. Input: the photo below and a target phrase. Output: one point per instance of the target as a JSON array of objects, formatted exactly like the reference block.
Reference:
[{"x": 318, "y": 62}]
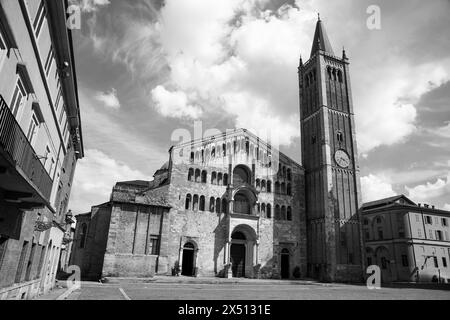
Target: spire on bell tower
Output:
[{"x": 321, "y": 41}]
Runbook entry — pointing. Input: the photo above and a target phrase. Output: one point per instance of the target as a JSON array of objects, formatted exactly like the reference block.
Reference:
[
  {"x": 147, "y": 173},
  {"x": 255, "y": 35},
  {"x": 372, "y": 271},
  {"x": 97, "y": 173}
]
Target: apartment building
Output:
[
  {"x": 40, "y": 142},
  {"x": 408, "y": 241}
]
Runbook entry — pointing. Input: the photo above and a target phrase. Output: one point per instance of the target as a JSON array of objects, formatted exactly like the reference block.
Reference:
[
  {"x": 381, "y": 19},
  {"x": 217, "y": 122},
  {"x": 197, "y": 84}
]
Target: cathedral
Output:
[{"x": 231, "y": 205}]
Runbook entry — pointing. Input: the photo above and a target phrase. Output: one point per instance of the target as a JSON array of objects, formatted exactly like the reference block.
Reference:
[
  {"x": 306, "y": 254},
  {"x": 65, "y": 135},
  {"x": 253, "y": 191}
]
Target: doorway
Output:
[
  {"x": 238, "y": 260},
  {"x": 187, "y": 269},
  {"x": 285, "y": 264}
]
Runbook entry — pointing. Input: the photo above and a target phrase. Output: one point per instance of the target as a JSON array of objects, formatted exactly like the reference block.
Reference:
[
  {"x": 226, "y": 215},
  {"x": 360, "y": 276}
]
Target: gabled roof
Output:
[
  {"x": 321, "y": 41},
  {"x": 401, "y": 199}
]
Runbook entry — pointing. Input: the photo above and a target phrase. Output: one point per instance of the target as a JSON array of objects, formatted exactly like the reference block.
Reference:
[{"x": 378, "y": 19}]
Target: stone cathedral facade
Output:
[{"x": 231, "y": 205}]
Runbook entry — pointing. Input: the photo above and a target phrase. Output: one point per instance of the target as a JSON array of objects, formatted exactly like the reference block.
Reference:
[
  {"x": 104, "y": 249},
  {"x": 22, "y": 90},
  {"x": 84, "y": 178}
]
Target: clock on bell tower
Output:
[{"x": 329, "y": 156}]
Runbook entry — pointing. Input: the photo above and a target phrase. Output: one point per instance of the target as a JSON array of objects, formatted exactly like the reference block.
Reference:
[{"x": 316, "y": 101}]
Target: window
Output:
[
  {"x": 369, "y": 261},
  {"x": 436, "y": 263},
  {"x": 289, "y": 214},
  {"x": 405, "y": 262},
  {"x": 378, "y": 220},
  {"x": 269, "y": 211},
  {"x": 190, "y": 174},
  {"x": 350, "y": 258},
  {"x": 366, "y": 222},
  {"x": 343, "y": 238},
  {"x": 401, "y": 234},
  {"x": 195, "y": 203},
  {"x": 340, "y": 137},
  {"x": 428, "y": 220},
  {"x": 269, "y": 186},
  {"x": 61, "y": 115},
  {"x": 188, "y": 202},
  {"x": 212, "y": 202},
  {"x": 18, "y": 98},
  {"x": 202, "y": 203},
  {"x": 430, "y": 232},
  {"x": 419, "y": 233},
  {"x": 367, "y": 235},
  {"x": 39, "y": 19},
  {"x": 49, "y": 60},
  {"x": 204, "y": 177},
  {"x": 58, "y": 100},
  {"x": 444, "y": 222},
  {"x": 33, "y": 128},
  {"x": 154, "y": 245},
  {"x": 417, "y": 218},
  {"x": 439, "y": 235}
]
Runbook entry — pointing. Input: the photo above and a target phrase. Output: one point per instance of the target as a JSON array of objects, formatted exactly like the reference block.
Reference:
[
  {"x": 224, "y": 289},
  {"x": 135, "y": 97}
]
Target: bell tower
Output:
[{"x": 330, "y": 159}]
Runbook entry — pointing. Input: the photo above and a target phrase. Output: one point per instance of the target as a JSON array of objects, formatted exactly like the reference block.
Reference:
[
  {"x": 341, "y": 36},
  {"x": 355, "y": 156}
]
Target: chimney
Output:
[
  {"x": 419, "y": 204},
  {"x": 426, "y": 206},
  {"x": 432, "y": 207}
]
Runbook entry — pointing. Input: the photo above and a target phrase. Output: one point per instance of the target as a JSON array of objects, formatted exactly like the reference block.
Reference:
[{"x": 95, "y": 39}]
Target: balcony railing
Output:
[{"x": 18, "y": 148}]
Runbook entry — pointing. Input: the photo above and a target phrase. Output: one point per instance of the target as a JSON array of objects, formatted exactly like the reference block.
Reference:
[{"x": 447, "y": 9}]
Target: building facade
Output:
[
  {"x": 409, "y": 242},
  {"x": 40, "y": 142},
  {"x": 234, "y": 206}
]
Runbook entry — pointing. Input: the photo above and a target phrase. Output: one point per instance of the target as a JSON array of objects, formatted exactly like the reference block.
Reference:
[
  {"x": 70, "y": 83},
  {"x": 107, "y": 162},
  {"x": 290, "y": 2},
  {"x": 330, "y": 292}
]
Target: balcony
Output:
[{"x": 23, "y": 178}]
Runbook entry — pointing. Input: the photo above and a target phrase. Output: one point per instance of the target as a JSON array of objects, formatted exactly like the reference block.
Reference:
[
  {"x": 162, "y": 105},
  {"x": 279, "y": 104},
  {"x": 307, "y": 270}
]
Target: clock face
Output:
[{"x": 342, "y": 159}]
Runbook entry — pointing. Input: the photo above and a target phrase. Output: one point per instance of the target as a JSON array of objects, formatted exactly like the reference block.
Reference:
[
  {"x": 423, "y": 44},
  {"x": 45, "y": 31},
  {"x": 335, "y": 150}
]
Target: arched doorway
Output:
[
  {"x": 241, "y": 175},
  {"x": 238, "y": 255},
  {"x": 187, "y": 268},
  {"x": 285, "y": 264}
]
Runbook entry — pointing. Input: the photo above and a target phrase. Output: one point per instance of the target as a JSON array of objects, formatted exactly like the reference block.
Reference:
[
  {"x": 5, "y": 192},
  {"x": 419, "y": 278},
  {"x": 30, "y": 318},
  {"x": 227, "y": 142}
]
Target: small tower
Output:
[{"x": 330, "y": 159}]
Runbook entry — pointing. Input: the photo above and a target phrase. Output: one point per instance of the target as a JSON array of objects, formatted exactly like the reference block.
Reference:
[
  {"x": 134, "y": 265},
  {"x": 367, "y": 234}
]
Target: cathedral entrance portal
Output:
[
  {"x": 238, "y": 260},
  {"x": 187, "y": 268}
]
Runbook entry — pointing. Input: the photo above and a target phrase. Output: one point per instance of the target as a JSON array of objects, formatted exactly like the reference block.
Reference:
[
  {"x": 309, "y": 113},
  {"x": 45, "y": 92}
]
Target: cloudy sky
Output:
[{"x": 147, "y": 68}]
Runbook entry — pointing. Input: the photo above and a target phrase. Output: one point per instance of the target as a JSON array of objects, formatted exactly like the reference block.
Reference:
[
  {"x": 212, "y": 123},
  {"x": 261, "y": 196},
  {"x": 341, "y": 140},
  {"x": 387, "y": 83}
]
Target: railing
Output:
[{"x": 16, "y": 145}]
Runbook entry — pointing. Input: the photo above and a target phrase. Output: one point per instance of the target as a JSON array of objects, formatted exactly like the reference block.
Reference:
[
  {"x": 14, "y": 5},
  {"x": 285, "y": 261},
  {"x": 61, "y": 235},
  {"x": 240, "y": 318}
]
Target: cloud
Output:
[
  {"x": 428, "y": 191},
  {"x": 96, "y": 175},
  {"x": 109, "y": 99},
  {"x": 443, "y": 131},
  {"x": 90, "y": 5},
  {"x": 375, "y": 187},
  {"x": 174, "y": 104},
  {"x": 446, "y": 207}
]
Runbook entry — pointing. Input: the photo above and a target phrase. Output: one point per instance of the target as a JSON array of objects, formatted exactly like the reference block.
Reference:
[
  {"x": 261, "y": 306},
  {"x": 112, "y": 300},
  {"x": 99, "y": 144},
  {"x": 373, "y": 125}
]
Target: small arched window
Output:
[
  {"x": 218, "y": 205},
  {"x": 269, "y": 186},
  {"x": 213, "y": 152},
  {"x": 192, "y": 157},
  {"x": 289, "y": 214},
  {"x": 263, "y": 185},
  {"x": 202, "y": 203},
  {"x": 269, "y": 211},
  {"x": 283, "y": 188},
  {"x": 258, "y": 184},
  {"x": 197, "y": 175},
  {"x": 188, "y": 202},
  {"x": 204, "y": 176},
  {"x": 212, "y": 203},
  {"x": 340, "y": 137},
  {"x": 283, "y": 213},
  {"x": 263, "y": 210},
  {"x": 191, "y": 174},
  {"x": 225, "y": 179},
  {"x": 277, "y": 187},
  {"x": 213, "y": 178},
  {"x": 224, "y": 150},
  {"x": 220, "y": 179},
  {"x": 195, "y": 203},
  {"x": 289, "y": 175},
  {"x": 289, "y": 189}
]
